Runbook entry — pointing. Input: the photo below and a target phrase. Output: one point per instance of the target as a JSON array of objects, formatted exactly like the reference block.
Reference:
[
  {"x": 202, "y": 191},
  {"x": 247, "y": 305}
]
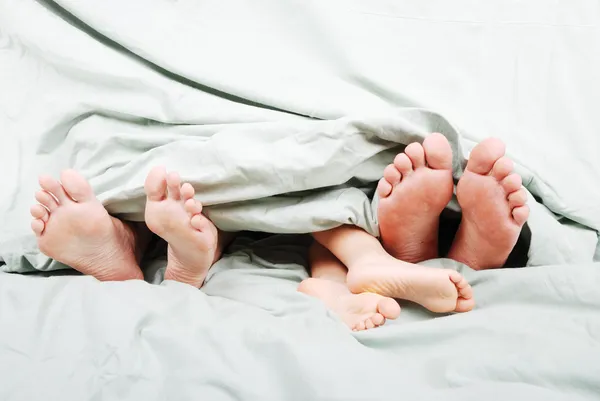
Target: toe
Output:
[
  {"x": 76, "y": 186},
  {"x": 369, "y": 324},
  {"x": 438, "y": 153},
  {"x": 389, "y": 308},
  {"x": 52, "y": 186},
  {"x": 485, "y": 154},
  {"x": 464, "y": 289},
  {"x": 156, "y": 184},
  {"x": 187, "y": 191},
  {"x": 464, "y": 305},
  {"x": 403, "y": 164},
  {"x": 502, "y": 168},
  {"x": 521, "y": 214},
  {"x": 512, "y": 183},
  {"x": 174, "y": 185},
  {"x": 378, "y": 319},
  {"x": 37, "y": 226},
  {"x": 200, "y": 223},
  {"x": 193, "y": 207},
  {"x": 384, "y": 188},
  {"x": 392, "y": 175},
  {"x": 46, "y": 200},
  {"x": 360, "y": 326},
  {"x": 459, "y": 281},
  {"x": 416, "y": 154},
  {"x": 517, "y": 198},
  {"x": 39, "y": 212}
]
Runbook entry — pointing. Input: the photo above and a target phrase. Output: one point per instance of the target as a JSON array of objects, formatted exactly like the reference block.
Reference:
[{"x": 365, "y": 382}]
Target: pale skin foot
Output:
[
  {"x": 372, "y": 269},
  {"x": 493, "y": 205},
  {"x": 438, "y": 290},
  {"x": 328, "y": 283},
  {"x": 174, "y": 215},
  {"x": 413, "y": 192},
  {"x": 73, "y": 228}
]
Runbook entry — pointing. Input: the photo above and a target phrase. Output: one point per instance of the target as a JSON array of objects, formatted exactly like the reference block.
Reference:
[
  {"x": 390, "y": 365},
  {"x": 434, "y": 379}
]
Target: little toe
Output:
[
  {"x": 388, "y": 308},
  {"x": 392, "y": 175},
  {"x": 517, "y": 198},
  {"x": 193, "y": 207},
  {"x": 174, "y": 185},
  {"x": 76, "y": 186},
  {"x": 438, "y": 153},
  {"x": 403, "y": 164},
  {"x": 502, "y": 168},
  {"x": 384, "y": 188},
  {"x": 464, "y": 305},
  {"x": 52, "y": 186},
  {"x": 37, "y": 226},
  {"x": 369, "y": 324},
  {"x": 39, "y": 212},
  {"x": 199, "y": 222},
  {"x": 484, "y": 155},
  {"x": 46, "y": 200},
  {"x": 156, "y": 184},
  {"x": 521, "y": 214},
  {"x": 187, "y": 191},
  {"x": 416, "y": 154},
  {"x": 512, "y": 183}
]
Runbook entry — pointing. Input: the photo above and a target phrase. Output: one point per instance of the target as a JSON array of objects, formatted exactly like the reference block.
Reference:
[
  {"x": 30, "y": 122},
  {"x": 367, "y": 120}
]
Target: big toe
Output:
[
  {"x": 156, "y": 184},
  {"x": 76, "y": 186},
  {"x": 388, "y": 308},
  {"x": 438, "y": 152},
  {"x": 485, "y": 154}
]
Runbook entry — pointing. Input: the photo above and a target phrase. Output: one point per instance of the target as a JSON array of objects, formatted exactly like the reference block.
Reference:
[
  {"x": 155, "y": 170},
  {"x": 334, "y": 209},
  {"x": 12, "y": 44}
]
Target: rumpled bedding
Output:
[{"x": 283, "y": 116}]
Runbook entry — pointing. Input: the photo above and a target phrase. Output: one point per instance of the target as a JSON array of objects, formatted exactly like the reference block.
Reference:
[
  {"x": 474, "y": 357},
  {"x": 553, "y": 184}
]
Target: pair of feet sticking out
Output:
[
  {"x": 414, "y": 190},
  {"x": 73, "y": 227}
]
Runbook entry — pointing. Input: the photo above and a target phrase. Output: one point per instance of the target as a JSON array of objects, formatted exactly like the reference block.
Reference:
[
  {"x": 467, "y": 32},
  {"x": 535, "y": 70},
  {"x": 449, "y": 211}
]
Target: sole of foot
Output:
[
  {"x": 413, "y": 192},
  {"x": 173, "y": 214},
  {"x": 494, "y": 208},
  {"x": 358, "y": 311},
  {"x": 74, "y": 228},
  {"x": 438, "y": 290}
]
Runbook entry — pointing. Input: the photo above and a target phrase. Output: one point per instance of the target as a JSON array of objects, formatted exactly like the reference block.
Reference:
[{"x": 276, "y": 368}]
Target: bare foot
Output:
[
  {"x": 73, "y": 228},
  {"x": 439, "y": 290},
  {"x": 493, "y": 208},
  {"x": 359, "y": 311},
  {"x": 174, "y": 215},
  {"x": 413, "y": 192}
]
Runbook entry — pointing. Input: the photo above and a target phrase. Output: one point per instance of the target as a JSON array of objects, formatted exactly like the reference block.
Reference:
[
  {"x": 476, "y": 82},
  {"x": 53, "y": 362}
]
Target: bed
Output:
[{"x": 283, "y": 115}]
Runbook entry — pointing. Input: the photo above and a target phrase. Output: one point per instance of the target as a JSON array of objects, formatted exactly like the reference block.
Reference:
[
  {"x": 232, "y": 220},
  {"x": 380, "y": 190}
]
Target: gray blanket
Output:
[{"x": 291, "y": 139}]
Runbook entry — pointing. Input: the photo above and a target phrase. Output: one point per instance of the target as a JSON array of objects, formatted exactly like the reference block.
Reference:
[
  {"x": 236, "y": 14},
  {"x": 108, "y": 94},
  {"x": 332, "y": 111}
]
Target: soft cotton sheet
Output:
[{"x": 283, "y": 117}]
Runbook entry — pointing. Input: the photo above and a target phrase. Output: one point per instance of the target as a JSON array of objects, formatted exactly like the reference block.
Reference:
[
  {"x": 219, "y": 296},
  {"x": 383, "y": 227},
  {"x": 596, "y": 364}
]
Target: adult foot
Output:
[
  {"x": 439, "y": 290},
  {"x": 173, "y": 214},
  {"x": 359, "y": 311},
  {"x": 413, "y": 192},
  {"x": 493, "y": 207},
  {"x": 73, "y": 228}
]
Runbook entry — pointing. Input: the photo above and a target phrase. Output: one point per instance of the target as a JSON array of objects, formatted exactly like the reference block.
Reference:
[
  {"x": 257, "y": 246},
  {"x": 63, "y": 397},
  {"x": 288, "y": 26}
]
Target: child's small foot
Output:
[
  {"x": 359, "y": 311},
  {"x": 73, "y": 228},
  {"x": 413, "y": 192},
  {"x": 493, "y": 208},
  {"x": 439, "y": 290},
  {"x": 173, "y": 214}
]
